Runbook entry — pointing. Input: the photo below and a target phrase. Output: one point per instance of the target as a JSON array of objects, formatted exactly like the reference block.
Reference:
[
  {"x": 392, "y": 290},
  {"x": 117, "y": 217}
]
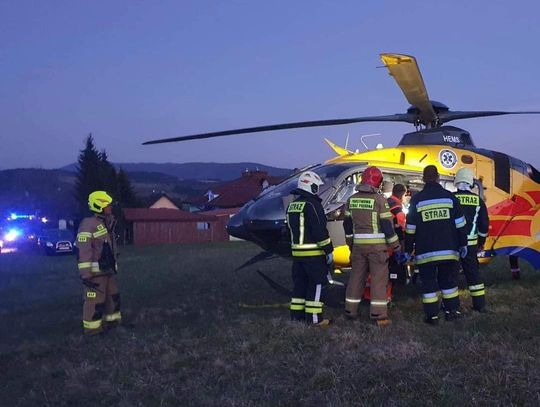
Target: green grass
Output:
[{"x": 192, "y": 344}]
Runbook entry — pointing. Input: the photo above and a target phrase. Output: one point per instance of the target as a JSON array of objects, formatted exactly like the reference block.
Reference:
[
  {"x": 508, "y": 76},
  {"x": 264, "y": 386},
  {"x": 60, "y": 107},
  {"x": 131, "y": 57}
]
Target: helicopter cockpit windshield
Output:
[{"x": 263, "y": 219}]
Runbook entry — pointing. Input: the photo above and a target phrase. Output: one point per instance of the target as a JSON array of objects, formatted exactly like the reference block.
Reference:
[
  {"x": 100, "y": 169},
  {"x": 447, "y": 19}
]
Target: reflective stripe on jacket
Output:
[
  {"x": 91, "y": 238},
  {"x": 396, "y": 209},
  {"x": 307, "y": 225},
  {"x": 368, "y": 220},
  {"x": 435, "y": 225},
  {"x": 476, "y": 214}
]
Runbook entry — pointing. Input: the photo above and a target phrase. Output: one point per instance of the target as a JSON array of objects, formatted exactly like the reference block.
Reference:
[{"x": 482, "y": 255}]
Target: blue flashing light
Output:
[
  {"x": 12, "y": 235},
  {"x": 15, "y": 216}
]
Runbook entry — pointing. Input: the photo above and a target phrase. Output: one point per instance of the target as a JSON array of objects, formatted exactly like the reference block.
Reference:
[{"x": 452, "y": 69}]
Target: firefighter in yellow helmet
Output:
[{"x": 96, "y": 260}]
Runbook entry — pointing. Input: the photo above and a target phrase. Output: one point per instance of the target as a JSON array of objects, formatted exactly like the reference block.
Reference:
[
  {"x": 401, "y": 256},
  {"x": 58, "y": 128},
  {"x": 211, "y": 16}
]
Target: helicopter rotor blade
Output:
[
  {"x": 445, "y": 117},
  {"x": 407, "y": 118},
  {"x": 406, "y": 73}
]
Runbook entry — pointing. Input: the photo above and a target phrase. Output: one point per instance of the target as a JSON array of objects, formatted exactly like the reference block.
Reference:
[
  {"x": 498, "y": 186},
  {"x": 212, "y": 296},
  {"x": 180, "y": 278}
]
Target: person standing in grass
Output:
[
  {"x": 369, "y": 233},
  {"x": 311, "y": 249},
  {"x": 96, "y": 260},
  {"x": 476, "y": 214},
  {"x": 435, "y": 230}
]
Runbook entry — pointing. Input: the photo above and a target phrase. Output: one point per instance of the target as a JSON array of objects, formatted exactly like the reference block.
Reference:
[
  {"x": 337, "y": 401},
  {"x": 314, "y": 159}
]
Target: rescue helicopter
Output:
[{"x": 509, "y": 186}]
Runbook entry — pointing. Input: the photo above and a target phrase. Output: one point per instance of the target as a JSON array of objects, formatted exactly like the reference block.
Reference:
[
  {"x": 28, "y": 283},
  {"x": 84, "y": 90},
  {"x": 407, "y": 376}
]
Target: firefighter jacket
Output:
[
  {"x": 435, "y": 225},
  {"x": 476, "y": 214},
  {"x": 96, "y": 253},
  {"x": 307, "y": 223},
  {"x": 368, "y": 221},
  {"x": 396, "y": 209}
]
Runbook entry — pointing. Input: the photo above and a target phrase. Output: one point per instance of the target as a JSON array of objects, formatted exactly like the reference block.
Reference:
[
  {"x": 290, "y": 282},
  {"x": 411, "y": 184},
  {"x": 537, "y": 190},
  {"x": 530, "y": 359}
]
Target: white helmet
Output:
[
  {"x": 464, "y": 175},
  {"x": 309, "y": 182}
]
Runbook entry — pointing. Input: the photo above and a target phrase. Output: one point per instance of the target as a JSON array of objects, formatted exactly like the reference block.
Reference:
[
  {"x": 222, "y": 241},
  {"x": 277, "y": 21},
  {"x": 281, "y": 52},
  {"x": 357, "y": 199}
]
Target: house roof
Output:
[
  {"x": 221, "y": 212},
  {"x": 155, "y": 197},
  {"x": 239, "y": 191},
  {"x": 164, "y": 202},
  {"x": 173, "y": 215}
]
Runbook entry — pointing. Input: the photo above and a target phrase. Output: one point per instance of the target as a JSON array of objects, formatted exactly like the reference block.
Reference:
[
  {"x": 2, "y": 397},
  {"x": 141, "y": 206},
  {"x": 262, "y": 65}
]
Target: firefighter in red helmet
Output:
[{"x": 369, "y": 233}]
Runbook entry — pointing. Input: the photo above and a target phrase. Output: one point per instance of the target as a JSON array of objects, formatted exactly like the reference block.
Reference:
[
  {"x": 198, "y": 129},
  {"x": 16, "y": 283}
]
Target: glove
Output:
[
  {"x": 401, "y": 258},
  {"x": 463, "y": 252},
  {"x": 329, "y": 258}
]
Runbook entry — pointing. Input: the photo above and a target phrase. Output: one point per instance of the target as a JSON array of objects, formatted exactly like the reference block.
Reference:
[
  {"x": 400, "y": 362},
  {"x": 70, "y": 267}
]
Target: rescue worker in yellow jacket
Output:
[
  {"x": 369, "y": 233},
  {"x": 96, "y": 259}
]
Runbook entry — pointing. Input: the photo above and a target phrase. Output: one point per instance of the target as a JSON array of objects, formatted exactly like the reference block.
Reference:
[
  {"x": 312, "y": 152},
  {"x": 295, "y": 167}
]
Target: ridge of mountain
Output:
[{"x": 196, "y": 170}]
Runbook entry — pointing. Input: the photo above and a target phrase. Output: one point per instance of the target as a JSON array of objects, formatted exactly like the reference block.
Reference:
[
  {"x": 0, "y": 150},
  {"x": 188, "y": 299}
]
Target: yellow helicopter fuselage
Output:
[{"x": 511, "y": 195}]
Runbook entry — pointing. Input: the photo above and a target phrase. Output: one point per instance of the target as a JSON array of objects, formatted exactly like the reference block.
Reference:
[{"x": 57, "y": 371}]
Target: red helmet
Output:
[{"x": 372, "y": 176}]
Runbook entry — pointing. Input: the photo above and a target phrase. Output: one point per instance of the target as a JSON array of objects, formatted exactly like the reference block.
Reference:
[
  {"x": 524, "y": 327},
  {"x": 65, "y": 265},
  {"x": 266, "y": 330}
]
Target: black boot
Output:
[{"x": 433, "y": 320}]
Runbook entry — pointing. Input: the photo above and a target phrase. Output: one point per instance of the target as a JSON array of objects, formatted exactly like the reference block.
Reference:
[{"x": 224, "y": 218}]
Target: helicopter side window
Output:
[
  {"x": 345, "y": 189},
  {"x": 448, "y": 185},
  {"x": 502, "y": 171},
  {"x": 533, "y": 173}
]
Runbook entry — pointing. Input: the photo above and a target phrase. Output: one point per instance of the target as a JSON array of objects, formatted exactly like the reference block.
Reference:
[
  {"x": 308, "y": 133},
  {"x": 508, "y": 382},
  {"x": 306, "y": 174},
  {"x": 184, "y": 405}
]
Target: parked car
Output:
[{"x": 57, "y": 241}]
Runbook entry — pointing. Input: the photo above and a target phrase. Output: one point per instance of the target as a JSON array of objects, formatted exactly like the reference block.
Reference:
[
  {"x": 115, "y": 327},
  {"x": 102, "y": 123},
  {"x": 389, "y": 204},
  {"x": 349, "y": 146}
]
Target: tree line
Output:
[{"x": 96, "y": 173}]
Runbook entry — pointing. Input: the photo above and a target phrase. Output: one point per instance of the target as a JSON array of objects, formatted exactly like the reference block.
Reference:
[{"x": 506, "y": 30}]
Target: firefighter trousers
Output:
[
  {"x": 439, "y": 275},
  {"x": 363, "y": 261},
  {"x": 471, "y": 270},
  {"x": 309, "y": 277},
  {"x": 101, "y": 303}
]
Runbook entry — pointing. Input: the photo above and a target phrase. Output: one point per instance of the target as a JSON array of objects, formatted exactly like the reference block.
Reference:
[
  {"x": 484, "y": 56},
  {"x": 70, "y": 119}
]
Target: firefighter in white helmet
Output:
[
  {"x": 311, "y": 249},
  {"x": 96, "y": 257},
  {"x": 476, "y": 228}
]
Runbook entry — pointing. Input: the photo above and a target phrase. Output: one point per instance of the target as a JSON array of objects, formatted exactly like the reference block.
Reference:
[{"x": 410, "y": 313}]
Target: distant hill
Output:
[
  {"x": 196, "y": 171},
  {"x": 52, "y": 191}
]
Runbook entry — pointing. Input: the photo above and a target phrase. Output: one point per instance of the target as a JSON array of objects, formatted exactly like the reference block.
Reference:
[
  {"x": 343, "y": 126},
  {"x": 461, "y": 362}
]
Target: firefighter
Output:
[
  {"x": 96, "y": 259},
  {"x": 436, "y": 232},
  {"x": 476, "y": 215},
  {"x": 369, "y": 233},
  {"x": 398, "y": 271},
  {"x": 396, "y": 209},
  {"x": 311, "y": 250}
]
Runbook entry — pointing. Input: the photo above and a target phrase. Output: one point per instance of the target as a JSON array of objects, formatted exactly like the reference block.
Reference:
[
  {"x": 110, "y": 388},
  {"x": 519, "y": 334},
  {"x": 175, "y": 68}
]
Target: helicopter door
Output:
[
  {"x": 478, "y": 188},
  {"x": 334, "y": 207}
]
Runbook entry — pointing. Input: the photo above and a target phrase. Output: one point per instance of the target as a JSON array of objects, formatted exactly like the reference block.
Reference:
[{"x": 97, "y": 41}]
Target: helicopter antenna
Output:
[
  {"x": 368, "y": 135},
  {"x": 347, "y": 141}
]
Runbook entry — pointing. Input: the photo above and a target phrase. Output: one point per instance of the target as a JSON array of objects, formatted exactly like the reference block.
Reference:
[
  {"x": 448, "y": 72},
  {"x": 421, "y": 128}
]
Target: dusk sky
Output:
[{"x": 132, "y": 71}]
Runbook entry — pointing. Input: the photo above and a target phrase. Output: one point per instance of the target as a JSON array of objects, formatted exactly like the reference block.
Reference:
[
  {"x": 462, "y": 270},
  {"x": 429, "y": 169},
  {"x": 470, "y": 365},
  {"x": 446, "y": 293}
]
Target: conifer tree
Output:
[
  {"x": 125, "y": 193},
  {"x": 107, "y": 175},
  {"x": 88, "y": 174}
]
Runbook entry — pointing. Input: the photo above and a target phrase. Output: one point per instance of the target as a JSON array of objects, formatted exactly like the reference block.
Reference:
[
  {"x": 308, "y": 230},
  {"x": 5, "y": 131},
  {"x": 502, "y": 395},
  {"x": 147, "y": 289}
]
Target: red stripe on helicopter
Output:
[
  {"x": 535, "y": 195},
  {"x": 513, "y": 228}
]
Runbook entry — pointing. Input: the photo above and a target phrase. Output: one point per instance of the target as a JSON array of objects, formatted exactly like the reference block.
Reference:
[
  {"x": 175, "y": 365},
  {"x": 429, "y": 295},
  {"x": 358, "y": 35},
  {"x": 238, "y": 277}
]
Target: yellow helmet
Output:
[
  {"x": 99, "y": 200},
  {"x": 464, "y": 175}
]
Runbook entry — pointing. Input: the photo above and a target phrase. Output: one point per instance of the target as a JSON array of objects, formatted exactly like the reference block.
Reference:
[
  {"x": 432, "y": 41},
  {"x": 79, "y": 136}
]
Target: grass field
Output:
[{"x": 189, "y": 342}]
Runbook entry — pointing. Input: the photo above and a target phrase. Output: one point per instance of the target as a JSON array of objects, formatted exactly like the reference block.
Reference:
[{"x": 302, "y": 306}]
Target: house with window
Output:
[{"x": 152, "y": 226}]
